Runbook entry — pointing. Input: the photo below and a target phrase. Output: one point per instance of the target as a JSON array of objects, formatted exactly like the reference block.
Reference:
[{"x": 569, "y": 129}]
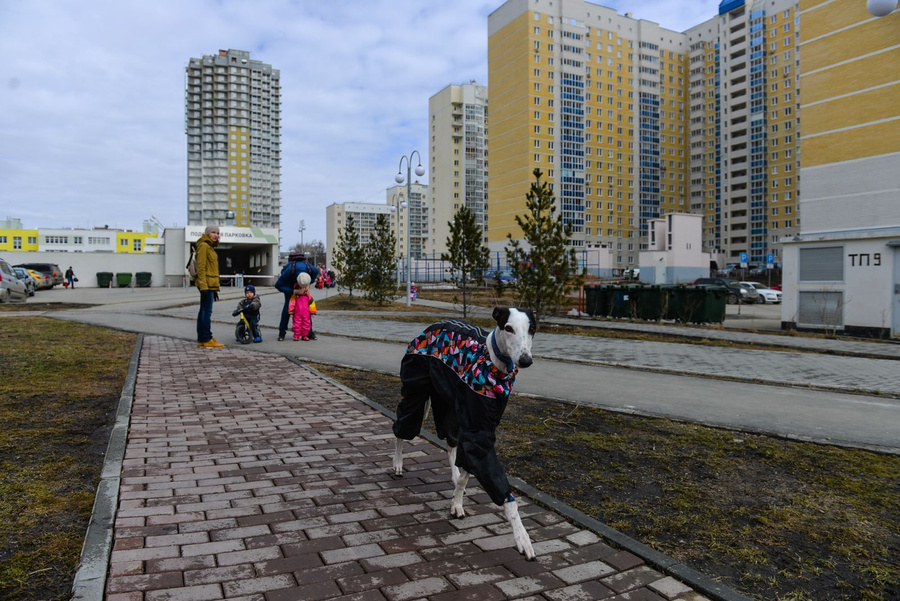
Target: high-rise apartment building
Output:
[
  {"x": 458, "y": 118},
  {"x": 233, "y": 127},
  {"x": 743, "y": 95},
  {"x": 411, "y": 219},
  {"x": 630, "y": 121}
]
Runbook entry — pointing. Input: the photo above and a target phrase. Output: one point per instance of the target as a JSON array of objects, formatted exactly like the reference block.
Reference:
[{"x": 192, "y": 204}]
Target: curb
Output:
[
  {"x": 90, "y": 579},
  {"x": 664, "y": 563}
]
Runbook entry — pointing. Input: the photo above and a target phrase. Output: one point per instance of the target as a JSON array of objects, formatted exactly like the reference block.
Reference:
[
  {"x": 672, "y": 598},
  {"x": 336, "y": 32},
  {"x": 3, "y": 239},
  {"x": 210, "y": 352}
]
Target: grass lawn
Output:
[
  {"x": 59, "y": 386},
  {"x": 771, "y": 518}
]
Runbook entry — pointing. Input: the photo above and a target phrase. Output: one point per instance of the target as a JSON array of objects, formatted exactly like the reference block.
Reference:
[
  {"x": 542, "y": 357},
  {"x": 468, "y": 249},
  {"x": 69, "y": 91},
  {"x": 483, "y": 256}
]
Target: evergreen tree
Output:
[
  {"x": 467, "y": 255},
  {"x": 381, "y": 261},
  {"x": 349, "y": 257},
  {"x": 546, "y": 267}
]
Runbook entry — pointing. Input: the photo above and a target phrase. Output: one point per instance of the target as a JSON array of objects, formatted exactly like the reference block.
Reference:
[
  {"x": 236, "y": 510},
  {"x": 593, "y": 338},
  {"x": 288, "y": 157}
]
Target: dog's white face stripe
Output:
[{"x": 515, "y": 336}]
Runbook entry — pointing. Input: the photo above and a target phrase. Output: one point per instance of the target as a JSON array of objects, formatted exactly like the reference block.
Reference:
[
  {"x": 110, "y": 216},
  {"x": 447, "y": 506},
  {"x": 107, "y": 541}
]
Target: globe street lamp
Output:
[
  {"x": 399, "y": 179},
  {"x": 396, "y": 205}
]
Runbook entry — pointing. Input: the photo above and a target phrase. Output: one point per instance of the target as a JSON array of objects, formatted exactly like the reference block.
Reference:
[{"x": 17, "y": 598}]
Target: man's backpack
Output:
[{"x": 192, "y": 264}]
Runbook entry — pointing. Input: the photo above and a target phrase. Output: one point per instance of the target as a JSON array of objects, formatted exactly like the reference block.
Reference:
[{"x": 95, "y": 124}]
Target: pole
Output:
[{"x": 408, "y": 215}]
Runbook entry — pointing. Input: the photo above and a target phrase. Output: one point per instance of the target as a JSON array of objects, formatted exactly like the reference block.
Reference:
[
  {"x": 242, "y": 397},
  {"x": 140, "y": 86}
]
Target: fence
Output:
[{"x": 433, "y": 269}]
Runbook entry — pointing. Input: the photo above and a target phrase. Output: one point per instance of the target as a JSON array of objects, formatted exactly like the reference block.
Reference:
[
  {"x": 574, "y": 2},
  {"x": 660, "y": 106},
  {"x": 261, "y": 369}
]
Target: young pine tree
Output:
[
  {"x": 349, "y": 258},
  {"x": 466, "y": 253},
  {"x": 381, "y": 261},
  {"x": 546, "y": 267}
]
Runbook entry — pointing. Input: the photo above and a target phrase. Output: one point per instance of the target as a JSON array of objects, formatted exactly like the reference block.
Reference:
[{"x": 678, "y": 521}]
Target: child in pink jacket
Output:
[{"x": 302, "y": 307}]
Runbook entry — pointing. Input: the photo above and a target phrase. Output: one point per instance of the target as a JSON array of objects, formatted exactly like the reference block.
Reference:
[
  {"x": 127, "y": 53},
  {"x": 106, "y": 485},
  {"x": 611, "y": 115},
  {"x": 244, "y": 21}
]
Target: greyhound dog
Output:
[{"x": 467, "y": 373}]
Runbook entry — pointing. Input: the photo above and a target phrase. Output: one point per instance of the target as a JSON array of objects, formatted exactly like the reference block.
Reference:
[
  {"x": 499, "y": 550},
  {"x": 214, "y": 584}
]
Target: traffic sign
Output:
[
  {"x": 770, "y": 261},
  {"x": 744, "y": 259}
]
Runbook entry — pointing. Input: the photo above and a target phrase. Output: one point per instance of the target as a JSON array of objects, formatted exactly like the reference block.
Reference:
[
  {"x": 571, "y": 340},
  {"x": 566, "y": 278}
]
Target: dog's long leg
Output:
[
  {"x": 454, "y": 471},
  {"x": 459, "y": 490},
  {"x": 398, "y": 457},
  {"x": 520, "y": 535}
]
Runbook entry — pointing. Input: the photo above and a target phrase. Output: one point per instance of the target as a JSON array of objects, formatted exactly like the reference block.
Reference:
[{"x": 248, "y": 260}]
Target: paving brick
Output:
[
  {"x": 593, "y": 570},
  {"x": 144, "y": 582},
  {"x": 435, "y": 568},
  {"x": 215, "y": 548},
  {"x": 283, "y": 565},
  {"x": 207, "y": 592},
  {"x": 417, "y": 589},
  {"x": 351, "y": 553},
  {"x": 586, "y": 591},
  {"x": 623, "y": 560},
  {"x": 395, "y": 560},
  {"x": 473, "y": 578},
  {"x": 484, "y": 592},
  {"x": 258, "y": 585},
  {"x": 641, "y": 594},
  {"x": 218, "y": 574},
  {"x": 327, "y": 589},
  {"x": 133, "y": 596},
  {"x": 374, "y": 580},
  {"x": 180, "y": 564},
  {"x": 334, "y": 572},
  {"x": 669, "y": 588},
  {"x": 529, "y": 584},
  {"x": 631, "y": 579}
]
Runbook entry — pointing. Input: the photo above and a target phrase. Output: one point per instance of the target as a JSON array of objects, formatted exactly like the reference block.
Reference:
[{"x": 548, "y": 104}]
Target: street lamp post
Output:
[
  {"x": 396, "y": 205},
  {"x": 302, "y": 229},
  {"x": 420, "y": 171}
]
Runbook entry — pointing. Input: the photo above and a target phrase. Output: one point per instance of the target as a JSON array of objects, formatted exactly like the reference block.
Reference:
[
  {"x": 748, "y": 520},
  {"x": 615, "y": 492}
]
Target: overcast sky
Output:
[{"x": 92, "y": 96}]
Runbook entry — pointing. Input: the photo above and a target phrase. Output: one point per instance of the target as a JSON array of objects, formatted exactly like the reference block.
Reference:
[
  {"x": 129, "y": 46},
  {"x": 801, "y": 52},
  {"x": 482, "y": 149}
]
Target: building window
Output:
[
  {"x": 17, "y": 243},
  {"x": 3, "y": 240},
  {"x": 137, "y": 245},
  {"x": 123, "y": 242}
]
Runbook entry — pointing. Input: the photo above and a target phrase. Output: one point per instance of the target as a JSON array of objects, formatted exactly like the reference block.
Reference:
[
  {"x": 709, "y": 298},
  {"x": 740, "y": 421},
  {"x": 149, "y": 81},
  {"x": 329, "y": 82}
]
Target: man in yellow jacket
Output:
[{"x": 207, "y": 282}]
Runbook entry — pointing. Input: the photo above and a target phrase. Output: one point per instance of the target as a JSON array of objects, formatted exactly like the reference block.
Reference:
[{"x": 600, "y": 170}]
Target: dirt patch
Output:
[
  {"x": 57, "y": 406},
  {"x": 771, "y": 518}
]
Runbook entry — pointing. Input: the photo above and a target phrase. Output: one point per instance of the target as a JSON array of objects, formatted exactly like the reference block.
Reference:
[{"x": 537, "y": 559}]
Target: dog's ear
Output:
[
  {"x": 532, "y": 322},
  {"x": 501, "y": 315}
]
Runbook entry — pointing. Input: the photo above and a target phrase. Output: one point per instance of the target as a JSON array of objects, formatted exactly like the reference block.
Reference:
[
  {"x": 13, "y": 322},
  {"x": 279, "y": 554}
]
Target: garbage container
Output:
[
  {"x": 714, "y": 304},
  {"x": 672, "y": 299},
  {"x": 104, "y": 278},
  {"x": 620, "y": 301},
  {"x": 650, "y": 303},
  {"x": 596, "y": 301},
  {"x": 123, "y": 280},
  {"x": 142, "y": 279}
]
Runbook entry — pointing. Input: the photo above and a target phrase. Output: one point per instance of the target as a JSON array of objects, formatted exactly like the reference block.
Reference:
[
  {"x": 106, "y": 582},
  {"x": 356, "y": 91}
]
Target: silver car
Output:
[
  {"x": 30, "y": 283},
  {"x": 766, "y": 295},
  {"x": 12, "y": 289}
]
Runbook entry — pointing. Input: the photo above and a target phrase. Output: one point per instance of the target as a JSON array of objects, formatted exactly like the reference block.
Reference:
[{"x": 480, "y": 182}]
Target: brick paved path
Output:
[{"x": 282, "y": 490}]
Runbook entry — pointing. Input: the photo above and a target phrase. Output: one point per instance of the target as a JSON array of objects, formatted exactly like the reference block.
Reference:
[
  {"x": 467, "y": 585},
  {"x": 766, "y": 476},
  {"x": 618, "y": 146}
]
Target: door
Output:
[{"x": 895, "y": 305}]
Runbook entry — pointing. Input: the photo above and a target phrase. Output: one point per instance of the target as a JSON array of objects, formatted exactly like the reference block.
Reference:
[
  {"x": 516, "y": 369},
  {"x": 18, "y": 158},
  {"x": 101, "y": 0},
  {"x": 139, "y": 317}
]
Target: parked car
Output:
[
  {"x": 766, "y": 295},
  {"x": 632, "y": 273},
  {"x": 750, "y": 295},
  {"x": 735, "y": 291},
  {"x": 505, "y": 275},
  {"x": 728, "y": 270},
  {"x": 27, "y": 279},
  {"x": 44, "y": 281},
  {"x": 12, "y": 289},
  {"x": 51, "y": 269}
]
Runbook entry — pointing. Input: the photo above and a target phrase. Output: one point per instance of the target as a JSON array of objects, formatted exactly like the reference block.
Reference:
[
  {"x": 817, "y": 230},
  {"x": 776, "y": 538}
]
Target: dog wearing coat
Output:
[{"x": 467, "y": 373}]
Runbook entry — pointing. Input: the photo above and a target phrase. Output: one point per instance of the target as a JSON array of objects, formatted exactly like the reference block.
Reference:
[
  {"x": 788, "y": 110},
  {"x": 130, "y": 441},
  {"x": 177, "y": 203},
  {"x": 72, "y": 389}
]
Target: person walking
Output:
[
  {"x": 70, "y": 277},
  {"x": 207, "y": 282},
  {"x": 296, "y": 265}
]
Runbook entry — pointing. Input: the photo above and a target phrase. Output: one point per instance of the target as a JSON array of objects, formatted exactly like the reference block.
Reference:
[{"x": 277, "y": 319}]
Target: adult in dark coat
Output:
[{"x": 296, "y": 265}]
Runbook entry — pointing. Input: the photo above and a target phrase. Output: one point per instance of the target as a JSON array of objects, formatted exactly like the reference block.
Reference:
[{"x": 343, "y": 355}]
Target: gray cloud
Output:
[{"x": 92, "y": 109}]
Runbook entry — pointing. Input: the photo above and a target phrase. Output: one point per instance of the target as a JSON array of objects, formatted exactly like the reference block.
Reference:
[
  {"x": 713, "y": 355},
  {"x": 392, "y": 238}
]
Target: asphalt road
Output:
[{"x": 643, "y": 386}]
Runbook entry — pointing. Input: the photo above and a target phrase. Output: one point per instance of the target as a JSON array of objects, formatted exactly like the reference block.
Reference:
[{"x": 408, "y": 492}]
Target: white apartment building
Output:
[
  {"x": 233, "y": 127},
  {"x": 458, "y": 132}
]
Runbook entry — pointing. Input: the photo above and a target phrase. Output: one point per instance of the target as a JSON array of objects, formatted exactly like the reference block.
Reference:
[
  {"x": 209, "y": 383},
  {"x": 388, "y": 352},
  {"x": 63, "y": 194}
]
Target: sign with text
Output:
[
  {"x": 744, "y": 259},
  {"x": 235, "y": 235}
]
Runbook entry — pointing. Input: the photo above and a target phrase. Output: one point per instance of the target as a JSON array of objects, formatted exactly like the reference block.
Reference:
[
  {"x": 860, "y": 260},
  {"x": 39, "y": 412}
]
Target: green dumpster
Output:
[
  {"x": 672, "y": 301},
  {"x": 705, "y": 304},
  {"x": 620, "y": 302},
  {"x": 597, "y": 300},
  {"x": 714, "y": 304},
  {"x": 142, "y": 279},
  {"x": 650, "y": 303},
  {"x": 104, "y": 278},
  {"x": 123, "y": 280}
]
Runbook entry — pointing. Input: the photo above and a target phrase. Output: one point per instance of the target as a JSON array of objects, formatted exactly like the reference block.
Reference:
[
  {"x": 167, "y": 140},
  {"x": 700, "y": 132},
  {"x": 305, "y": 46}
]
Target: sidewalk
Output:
[{"x": 279, "y": 487}]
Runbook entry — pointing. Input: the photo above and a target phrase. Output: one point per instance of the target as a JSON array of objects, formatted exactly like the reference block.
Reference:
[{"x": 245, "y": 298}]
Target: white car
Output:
[{"x": 766, "y": 295}]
